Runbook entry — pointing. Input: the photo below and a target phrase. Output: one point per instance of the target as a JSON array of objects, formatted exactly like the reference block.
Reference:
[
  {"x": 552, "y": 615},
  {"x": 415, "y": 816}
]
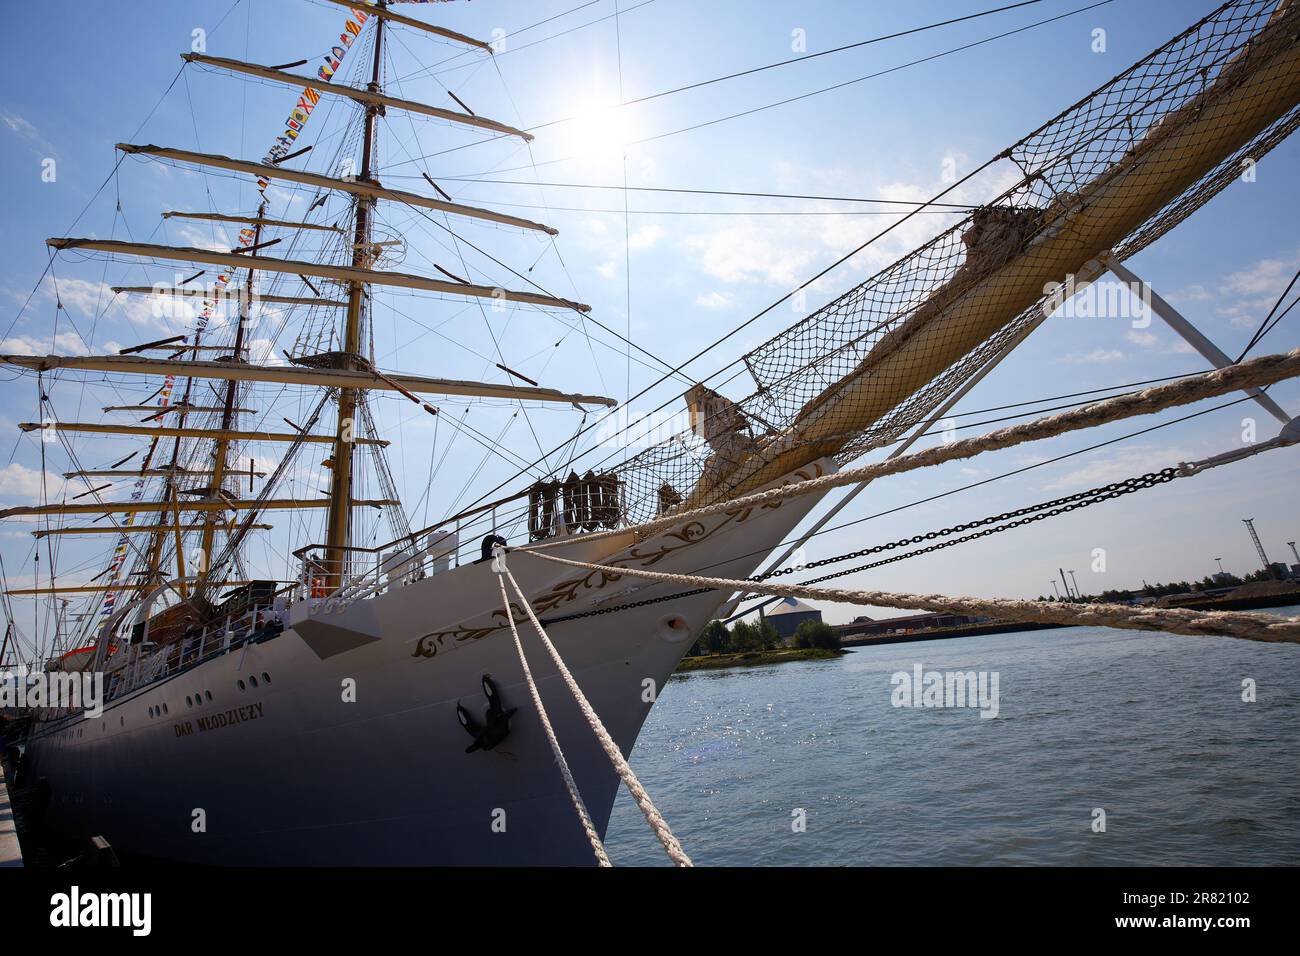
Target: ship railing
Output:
[
  {"x": 213, "y": 641},
  {"x": 368, "y": 571},
  {"x": 396, "y": 563},
  {"x": 402, "y": 561}
]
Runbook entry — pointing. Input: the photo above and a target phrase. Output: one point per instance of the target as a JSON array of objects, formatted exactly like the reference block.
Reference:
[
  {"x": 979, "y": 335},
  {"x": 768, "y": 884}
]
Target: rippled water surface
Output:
[{"x": 1150, "y": 727}]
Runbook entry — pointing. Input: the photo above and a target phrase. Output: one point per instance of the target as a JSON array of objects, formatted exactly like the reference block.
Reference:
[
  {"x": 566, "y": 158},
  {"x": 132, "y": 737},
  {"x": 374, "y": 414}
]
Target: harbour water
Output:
[{"x": 1150, "y": 728}]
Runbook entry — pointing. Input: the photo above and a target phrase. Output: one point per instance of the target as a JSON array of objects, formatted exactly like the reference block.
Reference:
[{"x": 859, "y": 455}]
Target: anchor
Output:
[{"x": 496, "y": 725}]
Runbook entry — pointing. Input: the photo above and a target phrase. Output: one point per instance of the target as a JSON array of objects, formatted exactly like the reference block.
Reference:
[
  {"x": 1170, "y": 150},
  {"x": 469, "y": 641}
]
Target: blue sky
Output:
[{"x": 691, "y": 267}]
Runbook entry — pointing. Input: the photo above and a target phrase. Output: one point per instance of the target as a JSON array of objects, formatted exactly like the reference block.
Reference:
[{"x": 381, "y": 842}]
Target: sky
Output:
[{"x": 672, "y": 272}]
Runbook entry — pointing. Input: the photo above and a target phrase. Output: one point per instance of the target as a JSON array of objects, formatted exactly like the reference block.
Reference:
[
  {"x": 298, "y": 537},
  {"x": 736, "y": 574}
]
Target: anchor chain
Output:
[{"x": 1014, "y": 519}]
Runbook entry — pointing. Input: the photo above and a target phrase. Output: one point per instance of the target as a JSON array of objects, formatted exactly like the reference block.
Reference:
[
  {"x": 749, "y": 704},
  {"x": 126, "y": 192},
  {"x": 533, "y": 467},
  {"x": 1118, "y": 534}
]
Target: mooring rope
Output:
[
  {"x": 1256, "y": 373},
  {"x": 1250, "y": 627},
  {"x": 657, "y": 823},
  {"x": 570, "y": 784}
]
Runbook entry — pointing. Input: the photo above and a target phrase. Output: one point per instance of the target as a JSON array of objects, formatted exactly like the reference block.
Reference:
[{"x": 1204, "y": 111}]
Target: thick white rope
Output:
[
  {"x": 583, "y": 816},
  {"x": 1253, "y": 374},
  {"x": 657, "y": 823},
  {"x": 1250, "y": 627}
]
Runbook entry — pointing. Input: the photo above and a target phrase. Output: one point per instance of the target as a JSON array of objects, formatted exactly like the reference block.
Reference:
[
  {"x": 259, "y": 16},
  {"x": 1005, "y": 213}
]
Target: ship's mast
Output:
[
  {"x": 340, "y": 511},
  {"x": 345, "y": 372},
  {"x": 221, "y": 449}
]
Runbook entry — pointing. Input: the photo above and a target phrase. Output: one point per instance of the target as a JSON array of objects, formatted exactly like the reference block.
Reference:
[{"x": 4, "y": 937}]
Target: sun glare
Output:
[{"x": 598, "y": 130}]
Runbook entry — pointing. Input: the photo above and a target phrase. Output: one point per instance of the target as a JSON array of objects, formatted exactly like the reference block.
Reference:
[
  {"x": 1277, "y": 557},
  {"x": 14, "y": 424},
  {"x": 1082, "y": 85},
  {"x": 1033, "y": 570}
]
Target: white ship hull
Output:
[{"x": 289, "y": 772}]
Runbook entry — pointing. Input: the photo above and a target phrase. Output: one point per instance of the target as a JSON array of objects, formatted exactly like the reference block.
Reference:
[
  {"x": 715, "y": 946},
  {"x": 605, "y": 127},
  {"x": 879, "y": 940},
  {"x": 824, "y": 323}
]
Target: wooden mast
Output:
[
  {"x": 340, "y": 512},
  {"x": 157, "y": 541},
  {"x": 221, "y": 448}
]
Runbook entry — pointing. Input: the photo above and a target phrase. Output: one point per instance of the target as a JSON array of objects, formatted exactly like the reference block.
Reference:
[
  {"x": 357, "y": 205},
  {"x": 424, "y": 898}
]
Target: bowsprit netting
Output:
[{"x": 1110, "y": 174}]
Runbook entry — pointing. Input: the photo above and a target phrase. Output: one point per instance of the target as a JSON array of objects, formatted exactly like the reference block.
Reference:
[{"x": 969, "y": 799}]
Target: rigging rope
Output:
[
  {"x": 1250, "y": 627},
  {"x": 1258, "y": 372},
  {"x": 1265, "y": 326},
  {"x": 657, "y": 823},
  {"x": 578, "y": 805}
]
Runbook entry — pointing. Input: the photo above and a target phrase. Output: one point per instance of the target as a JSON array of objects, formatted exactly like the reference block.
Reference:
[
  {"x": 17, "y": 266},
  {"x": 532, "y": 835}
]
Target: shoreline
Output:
[
  {"x": 1225, "y": 603},
  {"x": 779, "y": 655}
]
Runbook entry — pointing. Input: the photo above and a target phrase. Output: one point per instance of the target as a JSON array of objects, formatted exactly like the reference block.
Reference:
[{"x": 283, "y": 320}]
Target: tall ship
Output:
[{"x": 371, "y": 706}]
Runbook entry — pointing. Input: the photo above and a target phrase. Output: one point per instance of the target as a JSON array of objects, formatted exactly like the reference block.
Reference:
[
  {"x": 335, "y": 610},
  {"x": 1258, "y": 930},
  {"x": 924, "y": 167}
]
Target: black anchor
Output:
[{"x": 497, "y": 720}]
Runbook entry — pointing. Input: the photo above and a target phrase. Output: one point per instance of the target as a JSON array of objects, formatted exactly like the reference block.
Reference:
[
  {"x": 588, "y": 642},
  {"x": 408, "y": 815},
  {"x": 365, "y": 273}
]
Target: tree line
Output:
[
  {"x": 761, "y": 635},
  {"x": 1206, "y": 583}
]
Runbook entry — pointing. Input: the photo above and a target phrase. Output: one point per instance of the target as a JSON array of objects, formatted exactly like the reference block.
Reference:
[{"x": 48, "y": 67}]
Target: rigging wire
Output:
[
  {"x": 785, "y": 298},
  {"x": 496, "y": 344},
  {"x": 627, "y": 223},
  {"x": 553, "y": 246},
  {"x": 759, "y": 69},
  {"x": 492, "y": 204},
  {"x": 111, "y": 174},
  {"x": 802, "y": 59},
  {"x": 543, "y": 290},
  {"x": 515, "y": 49},
  {"x": 1265, "y": 327},
  {"x": 458, "y": 239},
  {"x": 803, "y": 96},
  {"x": 843, "y": 259},
  {"x": 960, "y": 207},
  {"x": 958, "y": 490},
  {"x": 114, "y": 175}
]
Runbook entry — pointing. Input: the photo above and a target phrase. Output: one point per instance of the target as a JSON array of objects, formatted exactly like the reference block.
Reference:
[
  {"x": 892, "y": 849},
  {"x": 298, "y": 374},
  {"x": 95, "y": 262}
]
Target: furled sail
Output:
[
  {"x": 292, "y": 375},
  {"x": 360, "y": 186}
]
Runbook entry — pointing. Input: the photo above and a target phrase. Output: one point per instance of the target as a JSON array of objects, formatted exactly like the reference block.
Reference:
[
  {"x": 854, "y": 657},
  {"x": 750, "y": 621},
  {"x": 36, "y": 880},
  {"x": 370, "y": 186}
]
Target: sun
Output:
[{"x": 597, "y": 130}]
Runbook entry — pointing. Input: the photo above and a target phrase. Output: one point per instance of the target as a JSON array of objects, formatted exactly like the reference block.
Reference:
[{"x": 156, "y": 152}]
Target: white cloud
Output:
[
  {"x": 784, "y": 252},
  {"x": 1251, "y": 292},
  {"x": 214, "y": 239},
  {"x": 1192, "y": 293},
  {"x": 750, "y": 251},
  {"x": 262, "y": 352},
  {"x": 29, "y": 134},
  {"x": 646, "y": 237},
  {"x": 91, "y": 300},
  {"x": 1266, "y": 277},
  {"x": 18, "y": 483},
  {"x": 713, "y": 300},
  {"x": 1093, "y": 357},
  {"x": 65, "y": 343}
]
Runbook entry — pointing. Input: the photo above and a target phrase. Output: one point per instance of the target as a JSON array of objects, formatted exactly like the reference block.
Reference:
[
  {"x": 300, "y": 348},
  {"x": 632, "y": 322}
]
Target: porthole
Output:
[
  {"x": 189, "y": 701},
  {"x": 252, "y": 680},
  {"x": 241, "y": 684},
  {"x": 208, "y": 693},
  {"x": 266, "y": 678},
  {"x": 164, "y": 708},
  {"x": 121, "y": 720},
  {"x": 150, "y": 711}
]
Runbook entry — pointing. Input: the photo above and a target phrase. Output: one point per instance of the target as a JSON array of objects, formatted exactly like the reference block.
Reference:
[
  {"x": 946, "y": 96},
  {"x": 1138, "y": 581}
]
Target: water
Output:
[{"x": 1149, "y": 727}]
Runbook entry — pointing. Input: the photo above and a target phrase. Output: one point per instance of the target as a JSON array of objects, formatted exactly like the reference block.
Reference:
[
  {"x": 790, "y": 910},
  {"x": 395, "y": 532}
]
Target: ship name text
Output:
[{"x": 227, "y": 718}]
